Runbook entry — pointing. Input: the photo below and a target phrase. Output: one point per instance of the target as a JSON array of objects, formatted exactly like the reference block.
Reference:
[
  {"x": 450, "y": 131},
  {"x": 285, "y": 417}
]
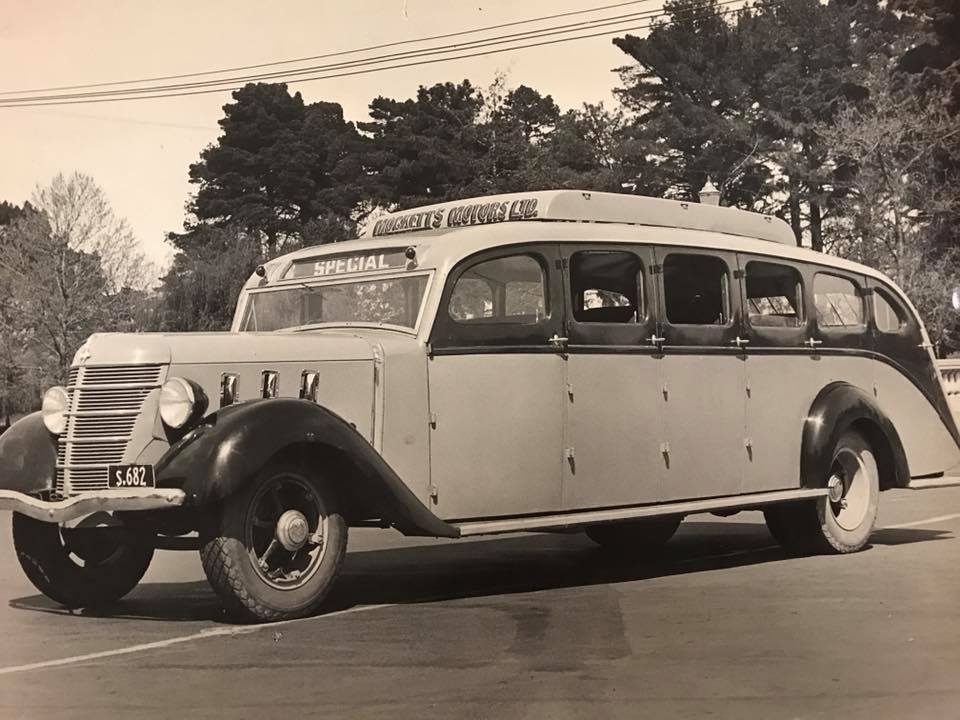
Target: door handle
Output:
[
  {"x": 740, "y": 342},
  {"x": 558, "y": 342},
  {"x": 812, "y": 343},
  {"x": 656, "y": 340}
]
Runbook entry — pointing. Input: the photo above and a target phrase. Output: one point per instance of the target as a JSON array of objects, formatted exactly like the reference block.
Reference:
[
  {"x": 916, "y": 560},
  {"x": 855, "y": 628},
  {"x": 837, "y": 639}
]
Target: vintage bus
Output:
[{"x": 557, "y": 360}]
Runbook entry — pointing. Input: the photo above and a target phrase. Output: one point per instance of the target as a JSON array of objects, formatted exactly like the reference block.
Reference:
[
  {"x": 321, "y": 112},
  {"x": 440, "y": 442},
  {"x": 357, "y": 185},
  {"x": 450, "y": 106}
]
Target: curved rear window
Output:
[{"x": 886, "y": 315}]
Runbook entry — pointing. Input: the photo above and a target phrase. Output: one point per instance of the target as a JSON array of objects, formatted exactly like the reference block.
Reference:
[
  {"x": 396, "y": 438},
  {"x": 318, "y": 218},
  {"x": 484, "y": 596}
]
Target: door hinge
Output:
[
  {"x": 656, "y": 269},
  {"x": 739, "y": 274},
  {"x": 433, "y": 421},
  {"x": 562, "y": 264},
  {"x": 434, "y": 493},
  {"x": 569, "y": 454},
  {"x": 570, "y": 390}
]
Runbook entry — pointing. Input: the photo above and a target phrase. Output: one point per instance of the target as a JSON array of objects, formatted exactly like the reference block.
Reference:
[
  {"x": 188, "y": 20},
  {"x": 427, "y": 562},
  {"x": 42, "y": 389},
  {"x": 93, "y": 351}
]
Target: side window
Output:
[
  {"x": 696, "y": 290},
  {"x": 885, "y": 314},
  {"x": 839, "y": 302},
  {"x": 606, "y": 287},
  {"x": 506, "y": 290},
  {"x": 774, "y": 295}
]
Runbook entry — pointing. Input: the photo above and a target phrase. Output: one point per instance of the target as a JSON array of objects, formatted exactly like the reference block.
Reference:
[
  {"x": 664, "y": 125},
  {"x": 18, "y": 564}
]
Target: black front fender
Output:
[
  {"x": 837, "y": 408},
  {"x": 28, "y": 457},
  {"x": 214, "y": 461}
]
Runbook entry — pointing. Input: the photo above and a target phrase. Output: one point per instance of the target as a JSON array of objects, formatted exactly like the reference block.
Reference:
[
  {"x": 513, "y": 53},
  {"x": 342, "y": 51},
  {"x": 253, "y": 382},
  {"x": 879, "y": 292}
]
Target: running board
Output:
[
  {"x": 934, "y": 482},
  {"x": 592, "y": 517}
]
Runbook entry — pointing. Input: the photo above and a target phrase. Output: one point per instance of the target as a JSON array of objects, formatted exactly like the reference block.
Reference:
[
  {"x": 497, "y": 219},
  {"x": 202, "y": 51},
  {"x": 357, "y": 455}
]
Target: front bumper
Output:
[{"x": 60, "y": 511}]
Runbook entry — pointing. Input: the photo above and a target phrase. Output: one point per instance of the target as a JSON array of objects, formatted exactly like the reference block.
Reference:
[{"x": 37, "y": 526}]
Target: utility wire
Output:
[
  {"x": 426, "y": 52},
  {"x": 340, "y": 53},
  {"x": 103, "y": 97}
]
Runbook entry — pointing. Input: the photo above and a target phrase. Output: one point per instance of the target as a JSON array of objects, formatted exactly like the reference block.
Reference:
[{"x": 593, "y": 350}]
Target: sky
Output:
[{"x": 139, "y": 152}]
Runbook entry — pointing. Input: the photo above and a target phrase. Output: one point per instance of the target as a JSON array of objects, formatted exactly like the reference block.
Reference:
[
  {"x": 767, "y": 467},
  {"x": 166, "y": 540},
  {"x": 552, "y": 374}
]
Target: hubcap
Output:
[
  {"x": 835, "y": 488},
  {"x": 293, "y": 530},
  {"x": 850, "y": 479}
]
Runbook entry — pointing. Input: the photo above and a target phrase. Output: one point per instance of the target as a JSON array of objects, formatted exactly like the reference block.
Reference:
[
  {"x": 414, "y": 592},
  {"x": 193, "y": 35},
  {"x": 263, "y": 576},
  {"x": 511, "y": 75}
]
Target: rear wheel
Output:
[
  {"x": 278, "y": 547},
  {"x": 635, "y": 535},
  {"x": 81, "y": 567},
  {"x": 842, "y": 521}
]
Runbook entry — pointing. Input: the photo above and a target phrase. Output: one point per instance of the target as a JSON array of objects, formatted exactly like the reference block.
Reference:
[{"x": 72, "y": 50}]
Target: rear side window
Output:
[
  {"x": 774, "y": 295},
  {"x": 696, "y": 290},
  {"x": 885, "y": 314},
  {"x": 510, "y": 289},
  {"x": 839, "y": 301},
  {"x": 606, "y": 287}
]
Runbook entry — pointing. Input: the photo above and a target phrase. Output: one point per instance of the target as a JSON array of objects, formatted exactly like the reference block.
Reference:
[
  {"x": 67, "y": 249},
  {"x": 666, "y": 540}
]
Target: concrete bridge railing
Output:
[{"x": 950, "y": 371}]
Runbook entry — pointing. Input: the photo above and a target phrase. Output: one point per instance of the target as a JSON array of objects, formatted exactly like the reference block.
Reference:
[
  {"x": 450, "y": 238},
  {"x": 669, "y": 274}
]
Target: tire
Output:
[
  {"x": 635, "y": 535},
  {"x": 81, "y": 568},
  {"x": 253, "y": 561},
  {"x": 837, "y": 523}
]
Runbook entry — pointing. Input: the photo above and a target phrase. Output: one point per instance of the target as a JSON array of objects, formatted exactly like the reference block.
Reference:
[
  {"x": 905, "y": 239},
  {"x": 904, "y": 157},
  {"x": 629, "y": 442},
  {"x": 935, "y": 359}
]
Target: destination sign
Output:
[
  {"x": 389, "y": 259},
  {"x": 452, "y": 216}
]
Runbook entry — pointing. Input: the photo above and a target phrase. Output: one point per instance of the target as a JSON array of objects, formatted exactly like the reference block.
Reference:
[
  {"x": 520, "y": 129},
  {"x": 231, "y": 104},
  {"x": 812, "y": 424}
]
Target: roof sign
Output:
[
  {"x": 477, "y": 213},
  {"x": 328, "y": 265}
]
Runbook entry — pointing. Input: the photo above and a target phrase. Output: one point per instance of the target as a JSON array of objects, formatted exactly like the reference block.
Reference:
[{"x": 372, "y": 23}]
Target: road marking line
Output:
[
  {"x": 159, "y": 644},
  {"x": 926, "y": 521},
  {"x": 721, "y": 556}
]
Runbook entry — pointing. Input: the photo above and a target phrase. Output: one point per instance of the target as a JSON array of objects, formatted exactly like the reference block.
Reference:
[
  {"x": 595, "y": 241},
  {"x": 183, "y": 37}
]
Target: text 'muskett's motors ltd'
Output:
[{"x": 458, "y": 216}]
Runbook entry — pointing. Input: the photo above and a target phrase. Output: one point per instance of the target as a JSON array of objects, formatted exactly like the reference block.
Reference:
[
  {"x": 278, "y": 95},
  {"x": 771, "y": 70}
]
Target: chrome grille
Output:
[{"x": 104, "y": 404}]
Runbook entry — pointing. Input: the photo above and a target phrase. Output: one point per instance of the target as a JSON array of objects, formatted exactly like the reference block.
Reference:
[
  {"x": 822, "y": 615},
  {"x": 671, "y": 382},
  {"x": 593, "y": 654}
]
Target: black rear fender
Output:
[
  {"x": 840, "y": 407},
  {"x": 217, "y": 459}
]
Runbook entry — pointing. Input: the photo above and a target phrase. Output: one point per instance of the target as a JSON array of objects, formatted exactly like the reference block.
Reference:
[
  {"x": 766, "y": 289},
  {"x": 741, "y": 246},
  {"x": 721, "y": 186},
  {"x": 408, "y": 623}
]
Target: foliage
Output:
[
  {"x": 739, "y": 101},
  {"x": 200, "y": 290},
  {"x": 79, "y": 216},
  {"x": 692, "y": 115},
  {"x": 279, "y": 165},
  {"x": 936, "y": 58},
  {"x": 424, "y": 150},
  {"x": 68, "y": 267},
  {"x": 900, "y": 193}
]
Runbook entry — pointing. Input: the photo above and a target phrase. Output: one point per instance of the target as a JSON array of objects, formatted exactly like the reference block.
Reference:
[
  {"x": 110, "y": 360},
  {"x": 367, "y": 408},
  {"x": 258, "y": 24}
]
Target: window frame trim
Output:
[{"x": 545, "y": 254}]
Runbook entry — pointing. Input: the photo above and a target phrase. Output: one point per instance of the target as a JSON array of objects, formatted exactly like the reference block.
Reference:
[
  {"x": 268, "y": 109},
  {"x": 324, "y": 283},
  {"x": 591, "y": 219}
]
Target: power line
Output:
[
  {"x": 341, "y": 53},
  {"x": 104, "y": 97},
  {"x": 289, "y": 74}
]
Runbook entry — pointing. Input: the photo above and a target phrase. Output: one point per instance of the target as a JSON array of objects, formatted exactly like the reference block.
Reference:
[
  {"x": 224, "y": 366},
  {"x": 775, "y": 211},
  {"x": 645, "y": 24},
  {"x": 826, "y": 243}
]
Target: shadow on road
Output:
[{"x": 481, "y": 568}]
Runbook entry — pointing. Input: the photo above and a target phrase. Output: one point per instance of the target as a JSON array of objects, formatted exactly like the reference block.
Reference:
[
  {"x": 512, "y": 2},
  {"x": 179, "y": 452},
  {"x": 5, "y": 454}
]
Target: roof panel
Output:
[{"x": 582, "y": 206}]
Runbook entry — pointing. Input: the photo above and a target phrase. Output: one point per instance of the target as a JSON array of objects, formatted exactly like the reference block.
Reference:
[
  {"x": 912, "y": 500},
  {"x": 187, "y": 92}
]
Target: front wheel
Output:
[
  {"x": 842, "y": 520},
  {"x": 81, "y": 567},
  {"x": 278, "y": 547}
]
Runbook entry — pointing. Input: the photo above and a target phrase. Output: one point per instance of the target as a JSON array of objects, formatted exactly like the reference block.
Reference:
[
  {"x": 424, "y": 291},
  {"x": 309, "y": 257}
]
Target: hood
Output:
[{"x": 220, "y": 348}]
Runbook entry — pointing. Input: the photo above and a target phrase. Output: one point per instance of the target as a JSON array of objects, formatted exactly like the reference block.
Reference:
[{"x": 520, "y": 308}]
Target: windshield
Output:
[{"x": 392, "y": 301}]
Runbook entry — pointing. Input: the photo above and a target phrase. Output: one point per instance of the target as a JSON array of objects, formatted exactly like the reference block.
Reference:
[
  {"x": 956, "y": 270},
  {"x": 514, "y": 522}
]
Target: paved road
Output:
[{"x": 721, "y": 625}]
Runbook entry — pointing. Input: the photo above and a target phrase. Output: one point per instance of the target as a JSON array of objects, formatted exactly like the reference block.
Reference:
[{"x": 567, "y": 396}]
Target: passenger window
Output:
[
  {"x": 606, "y": 287},
  {"x": 696, "y": 290},
  {"x": 509, "y": 289},
  {"x": 774, "y": 295},
  {"x": 839, "y": 302},
  {"x": 885, "y": 314}
]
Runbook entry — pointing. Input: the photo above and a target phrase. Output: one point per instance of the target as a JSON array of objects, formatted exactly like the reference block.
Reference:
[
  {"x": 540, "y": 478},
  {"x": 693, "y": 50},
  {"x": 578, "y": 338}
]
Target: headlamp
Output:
[{"x": 56, "y": 402}]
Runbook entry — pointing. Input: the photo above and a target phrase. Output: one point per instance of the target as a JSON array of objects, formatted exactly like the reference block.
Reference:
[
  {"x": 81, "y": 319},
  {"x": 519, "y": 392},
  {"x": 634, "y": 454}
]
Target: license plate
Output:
[{"x": 131, "y": 476}]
